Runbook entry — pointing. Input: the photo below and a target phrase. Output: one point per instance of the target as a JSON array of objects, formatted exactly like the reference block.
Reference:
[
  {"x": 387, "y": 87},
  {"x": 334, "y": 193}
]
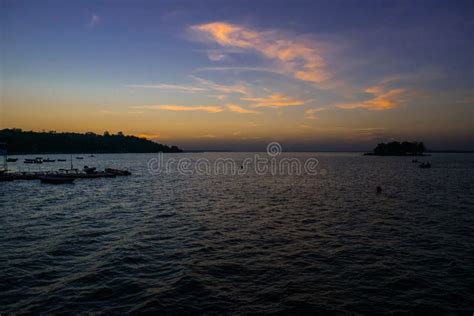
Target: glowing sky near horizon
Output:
[{"x": 313, "y": 75}]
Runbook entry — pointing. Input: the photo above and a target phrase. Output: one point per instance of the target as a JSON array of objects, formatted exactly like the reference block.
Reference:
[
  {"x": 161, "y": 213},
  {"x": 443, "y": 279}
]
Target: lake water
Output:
[{"x": 242, "y": 243}]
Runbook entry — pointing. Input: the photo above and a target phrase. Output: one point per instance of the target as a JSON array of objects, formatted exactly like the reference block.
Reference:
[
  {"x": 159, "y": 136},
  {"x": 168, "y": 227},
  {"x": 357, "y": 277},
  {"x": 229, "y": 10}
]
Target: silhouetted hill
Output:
[{"x": 19, "y": 141}]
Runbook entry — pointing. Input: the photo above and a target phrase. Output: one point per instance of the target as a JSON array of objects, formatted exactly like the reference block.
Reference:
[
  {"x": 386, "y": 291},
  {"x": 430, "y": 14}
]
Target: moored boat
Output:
[
  {"x": 118, "y": 172},
  {"x": 56, "y": 179},
  {"x": 89, "y": 170},
  {"x": 12, "y": 159}
]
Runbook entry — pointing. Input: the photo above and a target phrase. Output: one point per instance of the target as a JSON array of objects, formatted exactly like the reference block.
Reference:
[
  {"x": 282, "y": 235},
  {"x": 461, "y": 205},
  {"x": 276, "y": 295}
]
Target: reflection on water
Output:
[{"x": 242, "y": 243}]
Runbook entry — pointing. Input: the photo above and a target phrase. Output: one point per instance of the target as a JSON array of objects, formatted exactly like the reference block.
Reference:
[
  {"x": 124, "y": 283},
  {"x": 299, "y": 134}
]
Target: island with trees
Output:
[
  {"x": 29, "y": 142},
  {"x": 399, "y": 149}
]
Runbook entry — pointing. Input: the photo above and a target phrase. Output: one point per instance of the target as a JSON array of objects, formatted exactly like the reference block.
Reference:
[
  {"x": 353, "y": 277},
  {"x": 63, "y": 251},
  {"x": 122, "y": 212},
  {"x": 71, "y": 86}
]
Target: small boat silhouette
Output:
[
  {"x": 56, "y": 179},
  {"x": 89, "y": 170},
  {"x": 117, "y": 172}
]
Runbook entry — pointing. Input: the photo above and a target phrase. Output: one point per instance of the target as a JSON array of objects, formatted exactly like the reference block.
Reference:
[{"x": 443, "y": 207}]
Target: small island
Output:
[
  {"x": 399, "y": 149},
  {"x": 29, "y": 142}
]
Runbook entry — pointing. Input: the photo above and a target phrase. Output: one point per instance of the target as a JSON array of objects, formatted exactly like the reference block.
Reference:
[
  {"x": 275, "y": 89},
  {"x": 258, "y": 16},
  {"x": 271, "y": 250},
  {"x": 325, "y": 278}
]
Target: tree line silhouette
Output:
[
  {"x": 400, "y": 149},
  {"x": 29, "y": 142}
]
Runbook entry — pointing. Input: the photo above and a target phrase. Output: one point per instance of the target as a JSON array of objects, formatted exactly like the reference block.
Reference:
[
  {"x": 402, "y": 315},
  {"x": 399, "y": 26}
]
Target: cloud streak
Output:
[
  {"x": 275, "y": 100},
  {"x": 166, "y": 86},
  {"x": 202, "y": 85},
  {"x": 299, "y": 57},
  {"x": 210, "y": 85},
  {"x": 311, "y": 113},
  {"x": 382, "y": 99},
  {"x": 180, "y": 108},
  {"x": 238, "y": 69},
  {"x": 238, "y": 109}
]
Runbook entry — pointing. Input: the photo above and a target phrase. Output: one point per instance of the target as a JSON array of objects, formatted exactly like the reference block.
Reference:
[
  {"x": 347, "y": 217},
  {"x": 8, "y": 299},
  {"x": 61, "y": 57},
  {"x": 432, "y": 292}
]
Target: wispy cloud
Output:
[
  {"x": 173, "y": 107},
  {"x": 216, "y": 55},
  {"x": 382, "y": 99},
  {"x": 238, "y": 109},
  {"x": 94, "y": 20},
  {"x": 115, "y": 112},
  {"x": 210, "y": 85},
  {"x": 238, "y": 69},
  {"x": 220, "y": 96},
  {"x": 275, "y": 100},
  {"x": 311, "y": 113},
  {"x": 201, "y": 85},
  {"x": 299, "y": 57},
  {"x": 166, "y": 86}
]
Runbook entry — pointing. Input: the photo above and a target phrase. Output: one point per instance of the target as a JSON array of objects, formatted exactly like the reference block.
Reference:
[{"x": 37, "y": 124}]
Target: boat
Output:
[
  {"x": 29, "y": 161},
  {"x": 91, "y": 156},
  {"x": 49, "y": 160},
  {"x": 12, "y": 159},
  {"x": 79, "y": 158},
  {"x": 83, "y": 175},
  {"x": 118, "y": 172},
  {"x": 61, "y": 159},
  {"x": 89, "y": 170},
  {"x": 56, "y": 179},
  {"x": 425, "y": 165}
]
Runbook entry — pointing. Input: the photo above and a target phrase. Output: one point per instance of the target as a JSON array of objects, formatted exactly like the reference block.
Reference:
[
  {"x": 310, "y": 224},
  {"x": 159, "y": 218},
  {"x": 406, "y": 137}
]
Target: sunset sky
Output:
[{"x": 313, "y": 75}]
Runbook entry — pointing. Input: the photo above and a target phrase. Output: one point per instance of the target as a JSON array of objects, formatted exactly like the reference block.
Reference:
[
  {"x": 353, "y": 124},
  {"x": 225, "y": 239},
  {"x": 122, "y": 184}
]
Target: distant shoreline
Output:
[
  {"x": 85, "y": 153},
  {"x": 244, "y": 151},
  {"x": 397, "y": 155}
]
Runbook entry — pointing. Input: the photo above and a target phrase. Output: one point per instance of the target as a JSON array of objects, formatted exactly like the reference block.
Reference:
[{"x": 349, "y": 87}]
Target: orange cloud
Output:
[
  {"x": 300, "y": 58},
  {"x": 172, "y": 107},
  {"x": 275, "y": 100},
  {"x": 238, "y": 109},
  {"x": 148, "y": 136},
  {"x": 382, "y": 99}
]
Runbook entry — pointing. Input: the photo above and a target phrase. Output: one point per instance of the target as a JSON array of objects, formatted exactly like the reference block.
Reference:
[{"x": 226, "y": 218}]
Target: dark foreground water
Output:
[{"x": 240, "y": 244}]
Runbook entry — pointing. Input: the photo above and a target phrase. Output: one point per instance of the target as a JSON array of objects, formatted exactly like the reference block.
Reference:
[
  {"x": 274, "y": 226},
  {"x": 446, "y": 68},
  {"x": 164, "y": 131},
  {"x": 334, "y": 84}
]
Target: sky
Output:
[{"x": 236, "y": 75}]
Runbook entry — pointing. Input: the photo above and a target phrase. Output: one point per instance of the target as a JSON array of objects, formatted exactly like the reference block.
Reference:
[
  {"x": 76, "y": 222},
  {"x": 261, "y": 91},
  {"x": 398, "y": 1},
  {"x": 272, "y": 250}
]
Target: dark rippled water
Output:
[{"x": 243, "y": 244}]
